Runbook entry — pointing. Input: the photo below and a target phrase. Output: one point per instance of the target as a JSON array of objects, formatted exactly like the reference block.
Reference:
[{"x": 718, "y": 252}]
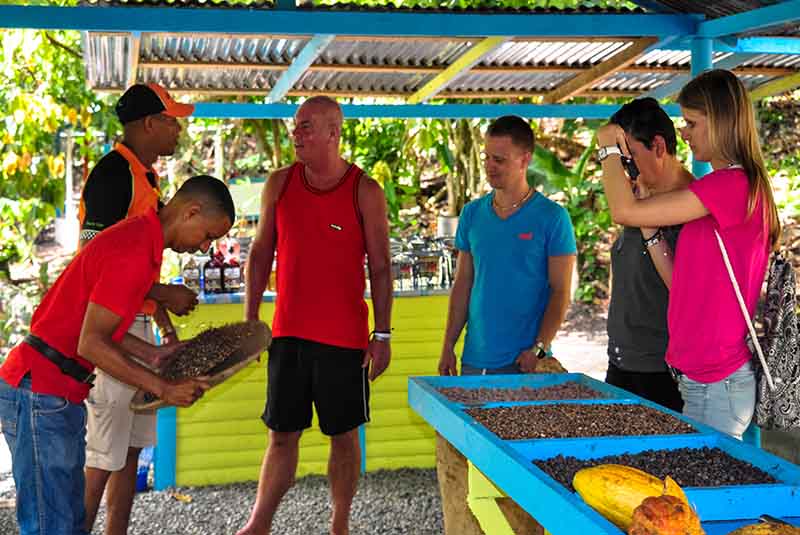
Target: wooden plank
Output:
[
  {"x": 585, "y": 80},
  {"x": 133, "y": 57},
  {"x": 465, "y": 62},
  {"x": 776, "y": 87}
]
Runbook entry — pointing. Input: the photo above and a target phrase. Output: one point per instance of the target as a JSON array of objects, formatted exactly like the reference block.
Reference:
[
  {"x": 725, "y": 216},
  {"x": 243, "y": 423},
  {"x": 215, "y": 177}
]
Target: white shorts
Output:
[{"x": 112, "y": 427}]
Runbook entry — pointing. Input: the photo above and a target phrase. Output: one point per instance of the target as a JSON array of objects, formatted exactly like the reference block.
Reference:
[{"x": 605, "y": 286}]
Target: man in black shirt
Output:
[{"x": 641, "y": 262}]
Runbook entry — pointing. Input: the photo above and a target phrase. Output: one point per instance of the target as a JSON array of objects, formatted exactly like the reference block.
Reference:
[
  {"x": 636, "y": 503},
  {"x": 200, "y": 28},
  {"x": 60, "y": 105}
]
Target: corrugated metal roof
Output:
[{"x": 393, "y": 66}]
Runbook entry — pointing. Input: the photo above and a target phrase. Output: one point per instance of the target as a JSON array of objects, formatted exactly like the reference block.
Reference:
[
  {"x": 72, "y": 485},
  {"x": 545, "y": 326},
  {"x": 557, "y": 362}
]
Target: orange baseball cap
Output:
[{"x": 141, "y": 100}]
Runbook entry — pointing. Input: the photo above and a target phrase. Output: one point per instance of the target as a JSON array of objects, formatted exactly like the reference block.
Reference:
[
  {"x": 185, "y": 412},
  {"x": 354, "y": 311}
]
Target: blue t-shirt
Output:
[{"x": 510, "y": 289}]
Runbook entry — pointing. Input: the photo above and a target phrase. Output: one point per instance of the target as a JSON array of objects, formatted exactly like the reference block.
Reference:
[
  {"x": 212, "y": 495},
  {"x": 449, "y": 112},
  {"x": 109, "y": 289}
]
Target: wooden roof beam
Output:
[
  {"x": 348, "y": 93},
  {"x": 585, "y": 80},
  {"x": 776, "y": 87},
  {"x": 429, "y": 69},
  {"x": 465, "y": 62},
  {"x": 134, "y": 39}
]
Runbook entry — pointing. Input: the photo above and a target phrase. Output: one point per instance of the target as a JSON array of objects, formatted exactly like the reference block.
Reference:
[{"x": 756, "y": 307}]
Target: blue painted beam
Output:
[
  {"x": 668, "y": 89},
  {"x": 299, "y": 65},
  {"x": 301, "y": 22},
  {"x": 654, "y": 6},
  {"x": 702, "y": 60},
  {"x": 678, "y": 81},
  {"x": 748, "y": 21},
  {"x": 417, "y": 111},
  {"x": 748, "y": 45}
]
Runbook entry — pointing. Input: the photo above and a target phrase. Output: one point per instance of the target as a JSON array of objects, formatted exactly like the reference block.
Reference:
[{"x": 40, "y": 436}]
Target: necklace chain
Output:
[{"x": 514, "y": 204}]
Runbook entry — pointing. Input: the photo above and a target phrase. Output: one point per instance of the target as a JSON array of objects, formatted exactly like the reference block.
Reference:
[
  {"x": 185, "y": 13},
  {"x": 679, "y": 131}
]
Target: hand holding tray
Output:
[{"x": 218, "y": 352}]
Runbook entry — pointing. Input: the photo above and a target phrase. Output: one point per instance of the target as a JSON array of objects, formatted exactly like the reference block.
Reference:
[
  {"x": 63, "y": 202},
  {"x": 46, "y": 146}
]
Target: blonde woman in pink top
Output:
[{"x": 707, "y": 346}]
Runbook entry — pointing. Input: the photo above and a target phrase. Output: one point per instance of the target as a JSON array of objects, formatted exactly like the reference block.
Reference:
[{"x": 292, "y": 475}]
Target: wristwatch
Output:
[
  {"x": 540, "y": 350},
  {"x": 605, "y": 152}
]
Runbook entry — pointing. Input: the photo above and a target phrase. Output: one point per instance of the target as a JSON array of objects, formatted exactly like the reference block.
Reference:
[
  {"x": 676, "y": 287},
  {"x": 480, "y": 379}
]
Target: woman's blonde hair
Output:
[{"x": 722, "y": 98}]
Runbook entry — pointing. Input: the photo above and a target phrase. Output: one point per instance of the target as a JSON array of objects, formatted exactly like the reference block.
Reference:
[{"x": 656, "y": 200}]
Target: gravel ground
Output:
[{"x": 396, "y": 502}]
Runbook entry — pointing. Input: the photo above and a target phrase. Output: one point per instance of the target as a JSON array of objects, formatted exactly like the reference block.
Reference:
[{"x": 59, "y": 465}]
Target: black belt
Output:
[
  {"x": 67, "y": 365},
  {"x": 675, "y": 373}
]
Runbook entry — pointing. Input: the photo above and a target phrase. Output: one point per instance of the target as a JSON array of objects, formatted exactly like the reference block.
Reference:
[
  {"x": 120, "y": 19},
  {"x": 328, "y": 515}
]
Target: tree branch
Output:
[{"x": 69, "y": 50}]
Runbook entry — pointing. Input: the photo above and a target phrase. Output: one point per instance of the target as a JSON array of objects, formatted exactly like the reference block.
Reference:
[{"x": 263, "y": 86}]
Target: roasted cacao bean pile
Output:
[
  {"x": 207, "y": 349},
  {"x": 689, "y": 467},
  {"x": 570, "y": 420},
  {"x": 568, "y": 390}
]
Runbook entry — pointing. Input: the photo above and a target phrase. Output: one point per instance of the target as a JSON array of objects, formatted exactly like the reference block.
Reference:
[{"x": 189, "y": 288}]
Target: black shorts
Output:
[{"x": 300, "y": 372}]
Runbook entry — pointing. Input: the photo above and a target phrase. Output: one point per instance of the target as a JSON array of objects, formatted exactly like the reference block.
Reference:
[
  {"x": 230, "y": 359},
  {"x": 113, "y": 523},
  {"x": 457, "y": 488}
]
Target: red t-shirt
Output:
[
  {"x": 321, "y": 253},
  {"x": 115, "y": 270}
]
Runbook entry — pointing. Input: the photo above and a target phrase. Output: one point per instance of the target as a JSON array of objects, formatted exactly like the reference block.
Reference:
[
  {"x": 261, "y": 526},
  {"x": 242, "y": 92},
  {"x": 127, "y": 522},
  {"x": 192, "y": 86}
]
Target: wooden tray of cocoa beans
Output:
[{"x": 217, "y": 352}]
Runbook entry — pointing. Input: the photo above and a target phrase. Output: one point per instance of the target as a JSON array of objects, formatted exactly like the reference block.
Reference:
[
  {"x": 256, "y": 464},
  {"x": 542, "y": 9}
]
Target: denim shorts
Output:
[
  {"x": 45, "y": 435},
  {"x": 726, "y": 405}
]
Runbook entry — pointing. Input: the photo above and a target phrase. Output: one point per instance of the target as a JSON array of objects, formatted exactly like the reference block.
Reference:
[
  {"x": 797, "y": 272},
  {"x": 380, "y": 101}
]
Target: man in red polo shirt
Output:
[
  {"x": 81, "y": 323},
  {"x": 323, "y": 215},
  {"x": 124, "y": 184}
]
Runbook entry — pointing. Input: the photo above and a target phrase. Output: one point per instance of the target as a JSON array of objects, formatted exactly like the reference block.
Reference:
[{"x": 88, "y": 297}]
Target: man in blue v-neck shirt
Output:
[{"x": 516, "y": 256}]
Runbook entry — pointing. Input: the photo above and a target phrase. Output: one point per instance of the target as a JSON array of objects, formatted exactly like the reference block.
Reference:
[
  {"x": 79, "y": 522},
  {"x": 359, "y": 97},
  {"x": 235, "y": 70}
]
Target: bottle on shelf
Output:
[
  {"x": 231, "y": 270},
  {"x": 212, "y": 273},
  {"x": 191, "y": 275}
]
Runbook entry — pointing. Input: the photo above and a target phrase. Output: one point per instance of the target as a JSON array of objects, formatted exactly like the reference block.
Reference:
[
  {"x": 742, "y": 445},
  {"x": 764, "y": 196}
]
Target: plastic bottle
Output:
[{"x": 143, "y": 468}]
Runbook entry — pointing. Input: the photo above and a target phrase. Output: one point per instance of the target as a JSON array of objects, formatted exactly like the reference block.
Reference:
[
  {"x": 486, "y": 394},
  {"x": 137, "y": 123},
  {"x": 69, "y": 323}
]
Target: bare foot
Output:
[{"x": 250, "y": 529}]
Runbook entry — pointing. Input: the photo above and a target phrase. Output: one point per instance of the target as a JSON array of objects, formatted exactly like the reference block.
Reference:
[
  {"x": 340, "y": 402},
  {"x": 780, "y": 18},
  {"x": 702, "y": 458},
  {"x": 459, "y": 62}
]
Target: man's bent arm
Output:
[
  {"x": 559, "y": 274},
  {"x": 262, "y": 250},
  {"x": 372, "y": 204},
  {"x": 458, "y": 305},
  {"x": 96, "y": 346}
]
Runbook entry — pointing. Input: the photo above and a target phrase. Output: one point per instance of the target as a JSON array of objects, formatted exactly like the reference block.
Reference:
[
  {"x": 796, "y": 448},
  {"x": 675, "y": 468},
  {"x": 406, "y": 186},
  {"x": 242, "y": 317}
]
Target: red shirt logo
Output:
[{"x": 525, "y": 235}]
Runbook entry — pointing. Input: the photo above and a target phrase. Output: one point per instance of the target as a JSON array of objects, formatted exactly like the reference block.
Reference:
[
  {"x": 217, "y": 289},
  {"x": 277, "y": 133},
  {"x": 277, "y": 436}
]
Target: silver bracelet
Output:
[
  {"x": 653, "y": 240},
  {"x": 381, "y": 336}
]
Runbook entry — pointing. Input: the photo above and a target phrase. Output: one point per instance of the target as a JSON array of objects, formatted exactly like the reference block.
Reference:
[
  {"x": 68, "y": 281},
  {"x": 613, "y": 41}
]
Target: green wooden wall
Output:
[{"x": 221, "y": 439}]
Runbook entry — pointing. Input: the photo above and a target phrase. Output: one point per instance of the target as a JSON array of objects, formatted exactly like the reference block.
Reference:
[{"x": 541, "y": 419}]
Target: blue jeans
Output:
[
  {"x": 726, "y": 405},
  {"x": 466, "y": 369},
  {"x": 46, "y": 436}
]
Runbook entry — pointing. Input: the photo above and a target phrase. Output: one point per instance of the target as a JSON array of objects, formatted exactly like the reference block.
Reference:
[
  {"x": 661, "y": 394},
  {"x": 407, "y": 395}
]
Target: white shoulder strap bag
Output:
[{"x": 745, "y": 313}]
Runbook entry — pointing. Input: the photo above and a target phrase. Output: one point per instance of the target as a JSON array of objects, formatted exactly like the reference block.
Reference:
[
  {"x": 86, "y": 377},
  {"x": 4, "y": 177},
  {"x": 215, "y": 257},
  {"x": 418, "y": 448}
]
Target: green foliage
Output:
[
  {"x": 17, "y": 303},
  {"x": 380, "y": 147},
  {"x": 43, "y": 94},
  {"x": 780, "y": 132},
  {"x": 487, "y": 4},
  {"x": 583, "y": 198}
]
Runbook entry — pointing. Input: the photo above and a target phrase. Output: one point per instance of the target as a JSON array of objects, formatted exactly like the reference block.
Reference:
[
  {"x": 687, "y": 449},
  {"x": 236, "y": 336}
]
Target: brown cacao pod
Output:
[{"x": 665, "y": 515}]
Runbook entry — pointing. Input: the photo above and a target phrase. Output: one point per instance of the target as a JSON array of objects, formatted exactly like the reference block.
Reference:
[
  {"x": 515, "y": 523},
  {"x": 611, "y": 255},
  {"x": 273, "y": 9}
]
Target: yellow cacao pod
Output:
[{"x": 615, "y": 490}]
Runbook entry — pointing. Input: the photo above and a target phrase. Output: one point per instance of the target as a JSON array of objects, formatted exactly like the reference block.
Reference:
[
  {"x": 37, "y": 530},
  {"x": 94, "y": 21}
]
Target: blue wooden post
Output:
[
  {"x": 362, "y": 442},
  {"x": 702, "y": 59},
  {"x": 164, "y": 459},
  {"x": 752, "y": 435}
]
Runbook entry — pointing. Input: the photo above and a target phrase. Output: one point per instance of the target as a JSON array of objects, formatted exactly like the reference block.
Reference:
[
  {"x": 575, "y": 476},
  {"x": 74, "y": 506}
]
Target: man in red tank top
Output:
[{"x": 323, "y": 217}]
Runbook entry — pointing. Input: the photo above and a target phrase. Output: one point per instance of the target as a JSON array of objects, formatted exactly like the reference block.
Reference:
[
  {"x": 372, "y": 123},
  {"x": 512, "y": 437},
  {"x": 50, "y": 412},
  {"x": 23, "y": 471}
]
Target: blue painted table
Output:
[{"x": 509, "y": 463}]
